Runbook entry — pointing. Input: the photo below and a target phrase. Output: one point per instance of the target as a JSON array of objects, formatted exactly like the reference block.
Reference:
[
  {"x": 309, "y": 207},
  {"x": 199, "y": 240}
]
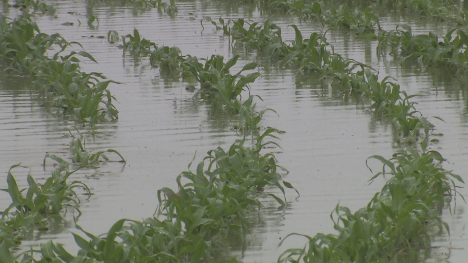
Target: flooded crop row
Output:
[{"x": 294, "y": 110}]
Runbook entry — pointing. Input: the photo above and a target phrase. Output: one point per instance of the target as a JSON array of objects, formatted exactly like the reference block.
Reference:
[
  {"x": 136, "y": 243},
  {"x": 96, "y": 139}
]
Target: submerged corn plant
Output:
[
  {"x": 42, "y": 201},
  {"x": 317, "y": 56},
  {"x": 34, "y": 5},
  {"x": 396, "y": 225},
  {"x": 214, "y": 200},
  {"x": 249, "y": 117},
  {"x": 69, "y": 90},
  {"x": 222, "y": 88},
  {"x": 169, "y": 60},
  {"x": 363, "y": 23},
  {"x": 217, "y": 85},
  {"x": 84, "y": 158},
  {"x": 431, "y": 49},
  {"x": 209, "y": 204},
  {"x": 136, "y": 45},
  {"x": 359, "y": 17},
  {"x": 24, "y": 50}
]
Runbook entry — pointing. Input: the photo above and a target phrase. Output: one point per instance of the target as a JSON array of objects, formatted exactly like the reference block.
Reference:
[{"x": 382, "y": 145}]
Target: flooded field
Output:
[{"x": 161, "y": 128}]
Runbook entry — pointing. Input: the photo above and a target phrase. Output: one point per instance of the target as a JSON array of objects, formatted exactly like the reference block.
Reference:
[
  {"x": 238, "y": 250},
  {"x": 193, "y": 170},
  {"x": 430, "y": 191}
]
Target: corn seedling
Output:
[
  {"x": 249, "y": 118},
  {"x": 167, "y": 59},
  {"x": 222, "y": 88},
  {"x": 84, "y": 158},
  {"x": 42, "y": 201},
  {"x": 137, "y": 45}
]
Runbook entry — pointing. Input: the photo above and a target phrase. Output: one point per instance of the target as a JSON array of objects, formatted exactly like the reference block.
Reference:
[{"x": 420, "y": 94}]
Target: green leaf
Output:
[
  {"x": 279, "y": 200},
  {"x": 250, "y": 66},
  {"x": 87, "y": 55},
  {"x": 81, "y": 242},
  {"x": 13, "y": 189},
  {"x": 109, "y": 247},
  {"x": 62, "y": 253},
  {"x": 5, "y": 255},
  {"x": 298, "y": 38},
  {"x": 91, "y": 20},
  {"x": 383, "y": 160},
  {"x": 230, "y": 63},
  {"x": 47, "y": 250}
]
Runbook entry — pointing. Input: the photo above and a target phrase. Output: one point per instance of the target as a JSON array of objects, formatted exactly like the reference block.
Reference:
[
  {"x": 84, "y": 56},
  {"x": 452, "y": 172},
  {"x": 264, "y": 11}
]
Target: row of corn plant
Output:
[
  {"x": 442, "y": 10},
  {"x": 218, "y": 86},
  {"x": 343, "y": 16},
  {"x": 348, "y": 14},
  {"x": 450, "y": 50},
  {"x": 397, "y": 224},
  {"x": 316, "y": 55},
  {"x": 169, "y": 8},
  {"x": 63, "y": 86},
  {"x": 431, "y": 49},
  {"x": 34, "y": 6},
  {"x": 104, "y": 249},
  {"x": 387, "y": 98},
  {"x": 209, "y": 204}
]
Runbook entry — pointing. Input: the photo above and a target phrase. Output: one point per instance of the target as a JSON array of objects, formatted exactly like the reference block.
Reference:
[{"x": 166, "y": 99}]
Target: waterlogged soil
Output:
[{"x": 161, "y": 128}]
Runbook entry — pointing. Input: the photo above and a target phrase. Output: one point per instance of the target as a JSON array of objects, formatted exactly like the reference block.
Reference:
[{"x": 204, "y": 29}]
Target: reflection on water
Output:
[{"x": 161, "y": 127}]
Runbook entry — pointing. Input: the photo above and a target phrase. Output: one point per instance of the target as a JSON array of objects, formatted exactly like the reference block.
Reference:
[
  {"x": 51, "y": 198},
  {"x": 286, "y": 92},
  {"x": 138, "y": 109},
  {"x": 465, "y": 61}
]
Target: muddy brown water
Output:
[{"x": 160, "y": 127}]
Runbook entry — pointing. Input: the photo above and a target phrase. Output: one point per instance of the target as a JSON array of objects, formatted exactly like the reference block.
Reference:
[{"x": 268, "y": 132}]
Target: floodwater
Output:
[{"x": 160, "y": 129}]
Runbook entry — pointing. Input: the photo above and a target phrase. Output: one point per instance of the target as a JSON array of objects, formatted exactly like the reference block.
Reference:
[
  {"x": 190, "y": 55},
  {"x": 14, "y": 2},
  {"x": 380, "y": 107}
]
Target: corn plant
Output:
[
  {"x": 42, "y": 201},
  {"x": 362, "y": 23},
  {"x": 313, "y": 55},
  {"x": 22, "y": 43},
  {"x": 396, "y": 225},
  {"x": 167, "y": 59},
  {"x": 265, "y": 38},
  {"x": 351, "y": 77},
  {"x": 249, "y": 118},
  {"x": 431, "y": 49},
  {"x": 38, "y": 5},
  {"x": 84, "y": 158},
  {"x": 137, "y": 45},
  {"x": 209, "y": 204},
  {"x": 222, "y": 24},
  {"x": 215, "y": 199},
  {"x": 24, "y": 49}
]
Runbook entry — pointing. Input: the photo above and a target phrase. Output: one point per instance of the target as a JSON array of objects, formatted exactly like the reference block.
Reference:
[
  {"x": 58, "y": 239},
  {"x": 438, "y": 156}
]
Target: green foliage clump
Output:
[
  {"x": 84, "y": 158},
  {"x": 208, "y": 205},
  {"x": 38, "y": 5},
  {"x": 23, "y": 50},
  {"x": 217, "y": 85},
  {"x": 137, "y": 45},
  {"x": 431, "y": 49},
  {"x": 42, "y": 201},
  {"x": 396, "y": 225}
]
